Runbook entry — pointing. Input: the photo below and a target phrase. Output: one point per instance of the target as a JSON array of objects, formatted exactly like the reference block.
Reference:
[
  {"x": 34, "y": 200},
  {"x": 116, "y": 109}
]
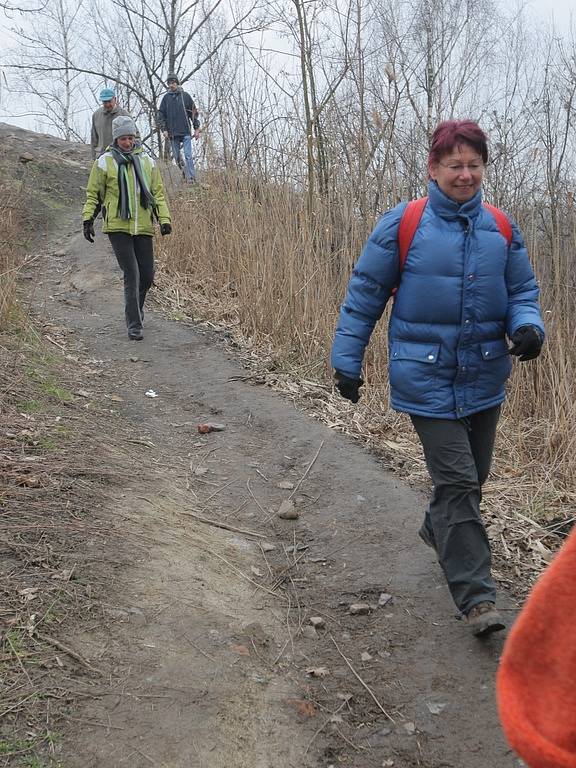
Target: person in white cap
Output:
[{"x": 126, "y": 182}]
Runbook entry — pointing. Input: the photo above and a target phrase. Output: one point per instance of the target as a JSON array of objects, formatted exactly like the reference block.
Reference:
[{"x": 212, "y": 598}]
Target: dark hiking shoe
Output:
[
  {"x": 483, "y": 619},
  {"x": 136, "y": 336},
  {"x": 424, "y": 534}
]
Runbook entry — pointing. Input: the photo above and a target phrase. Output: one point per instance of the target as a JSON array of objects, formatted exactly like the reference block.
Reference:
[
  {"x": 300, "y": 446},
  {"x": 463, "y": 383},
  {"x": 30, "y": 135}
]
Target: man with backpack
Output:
[
  {"x": 462, "y": 283},
  {"x": 177, "y": 112}
]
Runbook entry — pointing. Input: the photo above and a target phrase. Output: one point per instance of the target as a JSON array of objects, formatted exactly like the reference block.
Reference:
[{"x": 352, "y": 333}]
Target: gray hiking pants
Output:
[
  {"x": 458, "y": 455},
  {"x": 135, "y": 256}
]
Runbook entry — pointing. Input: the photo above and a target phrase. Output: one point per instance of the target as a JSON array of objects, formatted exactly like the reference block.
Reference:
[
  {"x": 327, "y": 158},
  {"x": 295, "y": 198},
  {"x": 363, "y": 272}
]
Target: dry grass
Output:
[
  {"x": 248, "y": 259},
  {"x": 10, "y": 249},
  {"x": 56, "y": 552}
]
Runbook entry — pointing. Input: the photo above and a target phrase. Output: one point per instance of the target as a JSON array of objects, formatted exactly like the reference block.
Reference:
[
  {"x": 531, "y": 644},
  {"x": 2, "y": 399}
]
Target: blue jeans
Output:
[{"x": 186, "y": 142}]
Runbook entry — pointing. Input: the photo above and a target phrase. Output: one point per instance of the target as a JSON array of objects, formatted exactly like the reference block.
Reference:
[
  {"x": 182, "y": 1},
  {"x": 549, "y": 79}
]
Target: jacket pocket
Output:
[
  {"x": 494, "y": 369},
  {"x": 493, "y": 349},
  {"x": 414, "y": 374},
  {"x": 417, "y": 351}
]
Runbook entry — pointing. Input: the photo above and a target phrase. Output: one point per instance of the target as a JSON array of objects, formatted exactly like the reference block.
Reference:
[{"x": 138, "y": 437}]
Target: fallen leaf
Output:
[
  {"x": 304, "y": 708},
  {"x": 241, "y": 650},
  {"x": 317, "y": 671},
  {"x": 116, "y": 398},
  {"x": 286, "y": 485}
]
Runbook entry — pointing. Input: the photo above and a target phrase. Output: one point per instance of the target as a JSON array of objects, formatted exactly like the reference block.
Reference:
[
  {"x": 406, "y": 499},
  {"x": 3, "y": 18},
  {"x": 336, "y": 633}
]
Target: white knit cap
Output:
[{"x": 123, "y": 125}]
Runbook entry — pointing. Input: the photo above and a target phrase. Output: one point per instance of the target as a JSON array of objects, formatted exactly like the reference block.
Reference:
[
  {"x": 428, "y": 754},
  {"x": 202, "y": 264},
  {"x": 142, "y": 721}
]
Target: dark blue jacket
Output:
[
  {"x": 177, "y": 110},
  {"x": 461, "y": 291}
]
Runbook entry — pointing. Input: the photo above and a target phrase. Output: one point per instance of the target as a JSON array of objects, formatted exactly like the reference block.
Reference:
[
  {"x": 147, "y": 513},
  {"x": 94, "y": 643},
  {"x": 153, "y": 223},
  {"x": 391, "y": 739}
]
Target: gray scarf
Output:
[{"x": 124, "y": 159}]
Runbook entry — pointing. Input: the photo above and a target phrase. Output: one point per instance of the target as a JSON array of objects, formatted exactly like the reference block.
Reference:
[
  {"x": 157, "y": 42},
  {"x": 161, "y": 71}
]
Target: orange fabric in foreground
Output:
[{"x": 536, "y": 683}]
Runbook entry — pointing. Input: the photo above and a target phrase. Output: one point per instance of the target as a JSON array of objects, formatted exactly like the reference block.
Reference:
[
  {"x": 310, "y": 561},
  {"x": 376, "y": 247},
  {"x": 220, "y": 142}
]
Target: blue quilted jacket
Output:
[{"x": 461, "y": 291}]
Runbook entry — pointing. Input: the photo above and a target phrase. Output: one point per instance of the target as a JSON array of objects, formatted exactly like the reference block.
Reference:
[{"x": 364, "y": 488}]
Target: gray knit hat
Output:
[
  {"x": 123, "y": 125},
  {"x": 172, "y": 76}
]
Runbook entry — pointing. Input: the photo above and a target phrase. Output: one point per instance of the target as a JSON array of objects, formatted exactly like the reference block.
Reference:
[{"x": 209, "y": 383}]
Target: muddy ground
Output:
[{"x": 201, "y": 653}]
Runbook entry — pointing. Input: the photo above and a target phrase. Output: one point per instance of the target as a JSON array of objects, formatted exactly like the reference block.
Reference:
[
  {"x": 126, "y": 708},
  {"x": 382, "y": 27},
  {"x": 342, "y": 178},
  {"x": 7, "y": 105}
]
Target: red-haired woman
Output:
[{"x": 465, "y": 286}]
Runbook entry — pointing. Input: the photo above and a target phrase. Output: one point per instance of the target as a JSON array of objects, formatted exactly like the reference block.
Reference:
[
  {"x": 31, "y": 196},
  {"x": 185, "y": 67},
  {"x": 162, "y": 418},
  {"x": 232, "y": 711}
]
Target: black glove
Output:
[
  {"x": 527, "y": 342},
  {"x": 165, "y": 229},
  {"x": 88, "y": 227},
  {"x": 348, "y": 388}
]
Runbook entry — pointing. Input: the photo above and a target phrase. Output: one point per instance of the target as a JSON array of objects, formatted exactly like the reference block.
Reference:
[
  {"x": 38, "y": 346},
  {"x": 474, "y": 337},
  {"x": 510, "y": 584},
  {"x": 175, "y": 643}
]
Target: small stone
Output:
[
  {"x": 287, "y": 510},
  {"x": 365, "y": 656},
  {"x": 435, "y": 708},
  {"x": 26, "y": 157},
  {"x": 309, "y": 632},
  {"x": 317, "y": 622},
  {"x": 410, "y": 728},
  {"x": 379, "y": 738},
  {"x": 344, "y": 697},
  {"x": 286, "y": 485},
  {"x": 60, "y": 253},
  {"x": 116, "y": 613},
  {"x": 359, "y": 609},
  {"x": 384, "y": 599},
  {"x": 388, "y": 763},
  {"x": 266, "y": 547}
]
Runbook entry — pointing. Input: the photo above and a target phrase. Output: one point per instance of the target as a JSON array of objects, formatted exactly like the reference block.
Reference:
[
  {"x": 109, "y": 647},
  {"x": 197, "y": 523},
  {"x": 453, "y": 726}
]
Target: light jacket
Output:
[
  {"x": 461, "y": 291},
  {"x": 101, "y": 134},
  {"x": 103, "y": 189},
  {"x": 177, "y": 110}
]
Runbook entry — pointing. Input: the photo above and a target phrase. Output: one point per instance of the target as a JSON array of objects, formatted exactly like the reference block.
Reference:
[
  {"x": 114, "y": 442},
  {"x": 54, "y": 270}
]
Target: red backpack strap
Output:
[
  {"x": 408, "y": 226},
  {"x": 502, "y": 222}
]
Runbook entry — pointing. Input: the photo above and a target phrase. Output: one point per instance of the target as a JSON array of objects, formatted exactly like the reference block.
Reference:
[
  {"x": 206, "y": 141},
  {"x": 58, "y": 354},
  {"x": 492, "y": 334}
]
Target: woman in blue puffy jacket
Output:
[{"x": 463, "y": 289}]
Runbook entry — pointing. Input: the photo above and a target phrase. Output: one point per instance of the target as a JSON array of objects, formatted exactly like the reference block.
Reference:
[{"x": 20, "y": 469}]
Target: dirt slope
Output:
[{"x": 206, "y": 654}]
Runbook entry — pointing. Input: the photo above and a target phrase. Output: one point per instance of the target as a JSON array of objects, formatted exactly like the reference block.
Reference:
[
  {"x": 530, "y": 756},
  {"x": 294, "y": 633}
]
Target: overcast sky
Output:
[{"x": 563, "y": 12}]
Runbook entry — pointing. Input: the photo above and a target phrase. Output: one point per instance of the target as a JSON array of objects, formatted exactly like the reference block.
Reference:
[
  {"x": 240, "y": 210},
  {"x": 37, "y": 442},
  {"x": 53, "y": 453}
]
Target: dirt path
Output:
[{"x": 207, "y": 641}]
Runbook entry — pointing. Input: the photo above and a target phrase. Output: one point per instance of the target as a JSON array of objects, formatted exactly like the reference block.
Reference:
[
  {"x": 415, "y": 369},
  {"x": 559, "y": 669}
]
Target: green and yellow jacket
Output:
[{"x": 103, "y": 190}]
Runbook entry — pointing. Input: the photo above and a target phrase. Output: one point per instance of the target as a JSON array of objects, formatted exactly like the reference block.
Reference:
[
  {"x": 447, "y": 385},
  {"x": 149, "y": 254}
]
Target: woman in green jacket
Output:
[{"x": 126, "y": 183}]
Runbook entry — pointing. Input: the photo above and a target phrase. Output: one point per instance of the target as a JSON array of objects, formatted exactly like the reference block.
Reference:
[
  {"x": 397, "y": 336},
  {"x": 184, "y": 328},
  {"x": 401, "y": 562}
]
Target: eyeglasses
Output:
[{"x": 458, "y": 168}]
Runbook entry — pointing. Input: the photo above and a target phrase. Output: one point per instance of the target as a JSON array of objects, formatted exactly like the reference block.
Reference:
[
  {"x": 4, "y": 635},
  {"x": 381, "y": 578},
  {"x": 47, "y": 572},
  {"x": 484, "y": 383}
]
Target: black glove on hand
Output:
[
  {"x": 89, "y": 233},
  {"x": 348, "y": 388},
  {"x": 165, "y": 229},
  {"x": 527, "y": 342}
]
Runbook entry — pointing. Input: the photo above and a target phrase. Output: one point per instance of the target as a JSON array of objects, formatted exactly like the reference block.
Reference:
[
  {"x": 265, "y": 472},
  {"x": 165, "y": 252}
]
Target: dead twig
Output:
[
  {"x": 225, "y": 526},
  {"x": 69, "y": 651},
  {"x": 364, "y": 685},
  {"x": 256, "y": 500},
  {"x": 308, "y": 468}
]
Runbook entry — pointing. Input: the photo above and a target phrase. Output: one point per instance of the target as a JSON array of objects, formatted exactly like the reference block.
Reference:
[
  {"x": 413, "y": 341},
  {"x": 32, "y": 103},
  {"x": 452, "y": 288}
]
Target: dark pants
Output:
[
  {"x": 458, "y": 455},
  {"x": 135, "y": 256}
]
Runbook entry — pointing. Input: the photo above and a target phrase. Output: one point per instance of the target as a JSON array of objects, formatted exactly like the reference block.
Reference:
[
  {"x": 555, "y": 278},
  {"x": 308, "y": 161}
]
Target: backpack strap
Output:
[
  {"x": 410, "y": 221},
  {"x": 407, "y": 228},
  {"x": 502, "y": 222}
]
